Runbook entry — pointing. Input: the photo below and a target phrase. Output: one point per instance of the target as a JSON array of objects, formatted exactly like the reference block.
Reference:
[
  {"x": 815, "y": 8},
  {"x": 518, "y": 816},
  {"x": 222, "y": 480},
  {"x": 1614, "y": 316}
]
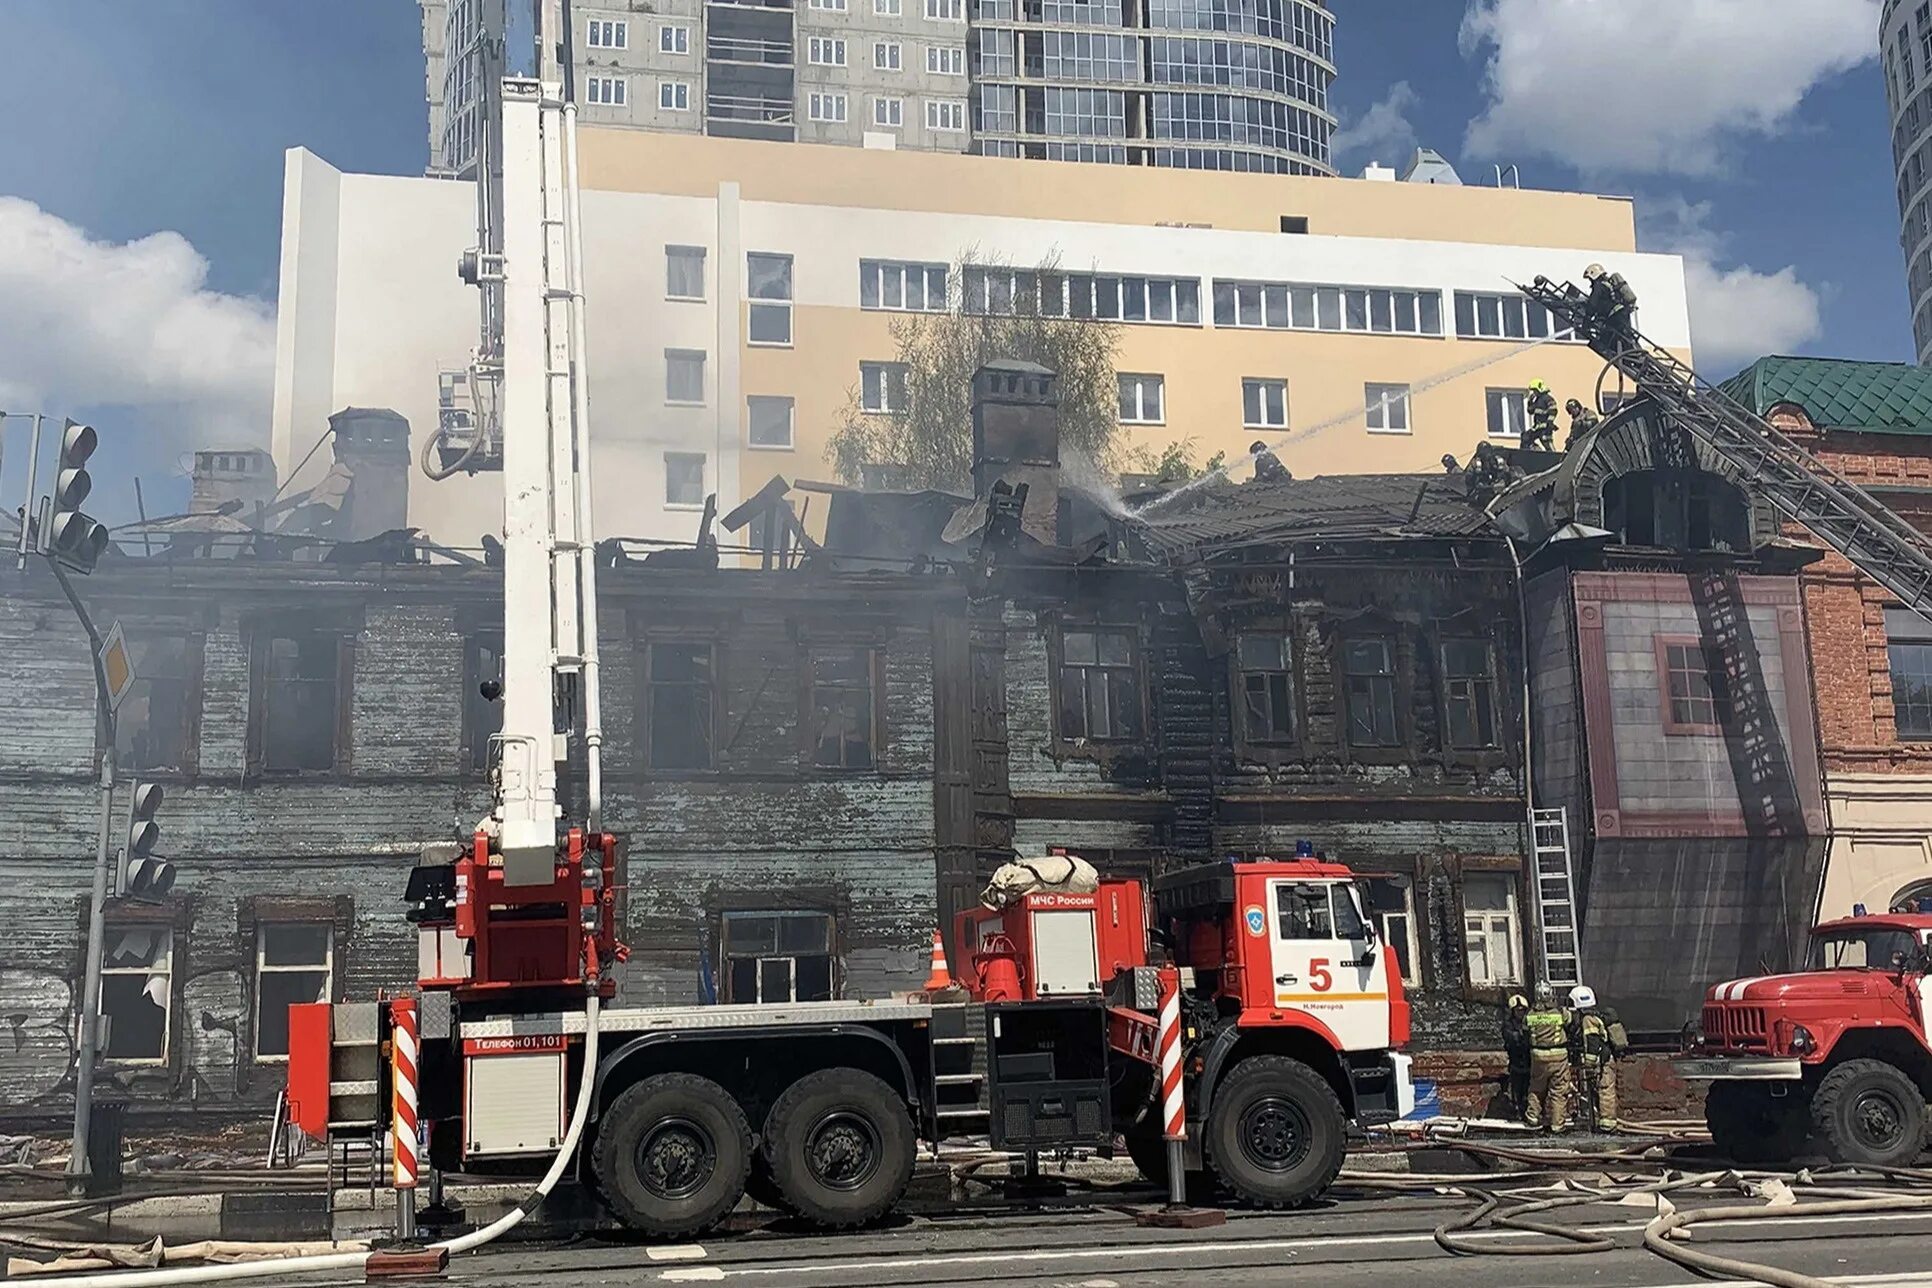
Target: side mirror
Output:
[{"x": 1898, "y": 962}]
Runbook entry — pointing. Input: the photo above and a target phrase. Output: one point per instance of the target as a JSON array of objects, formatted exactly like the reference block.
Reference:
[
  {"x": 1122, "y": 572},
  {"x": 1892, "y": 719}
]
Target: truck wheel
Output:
[
  {"x": 1750, "y": 1125},
  {"x": 1867, "y": 1111},
  {"x": 1274, "y": 1135},
  {"x": 840, "y": 1146},
  {"x": 671, "y": 1155}
]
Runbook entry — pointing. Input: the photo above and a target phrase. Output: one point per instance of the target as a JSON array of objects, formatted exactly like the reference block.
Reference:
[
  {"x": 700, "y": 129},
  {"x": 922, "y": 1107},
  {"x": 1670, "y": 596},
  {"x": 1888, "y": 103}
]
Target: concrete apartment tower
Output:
[
  {"x": 1161, "y": 84},
  {"x": 1905, "y": 48}
]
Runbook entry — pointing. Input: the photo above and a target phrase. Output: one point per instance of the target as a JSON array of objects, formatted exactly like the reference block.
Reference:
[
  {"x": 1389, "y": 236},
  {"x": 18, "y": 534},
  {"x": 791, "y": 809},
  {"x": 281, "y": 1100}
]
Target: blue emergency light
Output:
[
  {"x": 1858, "y": 910},
  {"x": 1303, "y": 850},
  {"x": 1925, "y": 903}
]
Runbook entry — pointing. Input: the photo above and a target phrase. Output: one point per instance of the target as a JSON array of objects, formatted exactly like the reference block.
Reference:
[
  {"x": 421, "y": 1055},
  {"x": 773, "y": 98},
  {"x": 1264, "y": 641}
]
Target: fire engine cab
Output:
[{"x": 1832, "y": 1058}]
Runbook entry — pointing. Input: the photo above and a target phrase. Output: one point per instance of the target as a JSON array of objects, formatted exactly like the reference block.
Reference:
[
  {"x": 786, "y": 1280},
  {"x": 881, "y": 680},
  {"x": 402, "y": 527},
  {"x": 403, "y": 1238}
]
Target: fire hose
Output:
[{"x": 272, "y": 1267}]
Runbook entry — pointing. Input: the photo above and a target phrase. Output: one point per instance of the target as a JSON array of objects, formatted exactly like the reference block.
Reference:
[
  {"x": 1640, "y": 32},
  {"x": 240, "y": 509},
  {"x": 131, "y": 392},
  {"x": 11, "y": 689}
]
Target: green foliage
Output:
[
  {"x": 1175, "y": 464},
  {"x": 933, "y": 438}
]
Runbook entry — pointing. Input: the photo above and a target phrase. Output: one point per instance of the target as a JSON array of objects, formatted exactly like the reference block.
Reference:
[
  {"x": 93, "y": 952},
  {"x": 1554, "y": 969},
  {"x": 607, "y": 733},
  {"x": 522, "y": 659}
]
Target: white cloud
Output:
[
  {"x": 1737, "y": 313},
  {"x": 86, "y": 323},
  {"x": 1653, "y": 86},
  {"x": 1384, "y": 133}
]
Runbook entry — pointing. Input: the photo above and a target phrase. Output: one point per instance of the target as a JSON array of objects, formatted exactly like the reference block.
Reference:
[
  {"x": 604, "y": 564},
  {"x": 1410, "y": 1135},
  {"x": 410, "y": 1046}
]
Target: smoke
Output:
[{"x": 1079, "y": 473}]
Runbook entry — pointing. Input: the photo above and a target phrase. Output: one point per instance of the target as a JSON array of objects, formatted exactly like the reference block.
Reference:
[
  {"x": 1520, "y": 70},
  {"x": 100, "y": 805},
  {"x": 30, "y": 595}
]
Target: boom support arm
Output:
[{"x": 1797, "y": 484}]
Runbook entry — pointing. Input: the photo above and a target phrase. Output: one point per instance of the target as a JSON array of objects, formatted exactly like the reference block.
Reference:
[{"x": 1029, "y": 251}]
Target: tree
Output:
[{"x": 993, "y": 313}]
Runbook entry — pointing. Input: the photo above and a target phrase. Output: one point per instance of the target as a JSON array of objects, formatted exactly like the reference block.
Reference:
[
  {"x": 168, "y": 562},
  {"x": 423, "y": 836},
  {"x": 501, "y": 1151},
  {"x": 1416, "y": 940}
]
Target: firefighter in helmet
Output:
[
  {"x": 1582, "y": 421},
  {"x": 1267, "y": 465},
  {"x": 1599, "y": 1040},
  {"x": 1612, "y": 302},
  {"x": 1541, "y": 407},
  {"x": 1549, "y": 1081},
  {"x": 1516, "y": 1045}
]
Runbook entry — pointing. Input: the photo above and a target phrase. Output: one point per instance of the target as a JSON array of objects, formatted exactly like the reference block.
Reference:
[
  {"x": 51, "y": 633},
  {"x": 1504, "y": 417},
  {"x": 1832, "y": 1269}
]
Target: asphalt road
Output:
[{"x": 1359, "y": 1240}]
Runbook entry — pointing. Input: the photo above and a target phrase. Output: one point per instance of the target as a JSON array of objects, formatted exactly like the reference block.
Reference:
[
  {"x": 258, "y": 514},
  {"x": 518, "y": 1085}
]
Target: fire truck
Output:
[
  {"x": 1833, "y": 1058},
  {"x": 518, "y": 1052}
]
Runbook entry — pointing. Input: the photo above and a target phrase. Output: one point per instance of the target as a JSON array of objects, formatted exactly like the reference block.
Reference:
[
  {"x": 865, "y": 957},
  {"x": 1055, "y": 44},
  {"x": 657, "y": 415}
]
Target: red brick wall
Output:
[{"x": 1845, "y": 611}]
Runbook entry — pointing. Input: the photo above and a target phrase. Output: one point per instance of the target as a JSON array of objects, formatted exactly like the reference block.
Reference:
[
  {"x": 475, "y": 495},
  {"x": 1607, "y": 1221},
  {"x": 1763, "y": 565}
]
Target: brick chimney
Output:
[
  {"x": 244, "y": 474},
  {"x": 372, "y": 444},
  {"x": 1016, "y": 438}
]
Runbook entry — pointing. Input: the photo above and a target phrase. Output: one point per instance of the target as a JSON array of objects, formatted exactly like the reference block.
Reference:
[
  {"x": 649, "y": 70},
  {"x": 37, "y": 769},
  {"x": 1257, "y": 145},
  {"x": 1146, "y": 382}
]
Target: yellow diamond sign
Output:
[{"x": 117, "y": 664}]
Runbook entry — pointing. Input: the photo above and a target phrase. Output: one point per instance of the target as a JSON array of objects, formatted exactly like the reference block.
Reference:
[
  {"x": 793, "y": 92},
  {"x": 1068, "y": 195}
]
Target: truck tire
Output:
[
  {"x": 1275, "y": 1132},
  {"x": 671, "y": 1155},
  {"x": 840, "y": 1146},
  {"x": 1868, "y": 1111},
  {"x": 1750, "y": 1125}
]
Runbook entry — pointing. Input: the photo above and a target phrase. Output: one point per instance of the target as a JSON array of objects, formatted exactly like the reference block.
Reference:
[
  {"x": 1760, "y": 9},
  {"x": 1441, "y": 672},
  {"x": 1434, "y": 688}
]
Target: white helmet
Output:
[
  {"x": 1583, "y": 997},
  {"x": 1593, "y": 272}
]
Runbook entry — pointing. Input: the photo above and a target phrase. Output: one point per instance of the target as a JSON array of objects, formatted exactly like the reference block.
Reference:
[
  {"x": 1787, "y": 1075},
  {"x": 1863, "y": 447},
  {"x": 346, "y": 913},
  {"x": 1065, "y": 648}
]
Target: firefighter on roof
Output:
[
  {"x": 1582, "y": 421},
  {"x": 1541, "y": 406},
  {"x": 1266, "y": 464},
  {"x": 1599, "y": 1040},
  {"x": 1549, "y": 1082}
]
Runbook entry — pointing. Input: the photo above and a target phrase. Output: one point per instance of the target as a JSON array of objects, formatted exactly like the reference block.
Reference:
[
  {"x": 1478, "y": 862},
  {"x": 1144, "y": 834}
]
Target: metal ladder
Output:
[
  {"x": 1798, "y": 485},
  {"x": 1559, "y": 945}
]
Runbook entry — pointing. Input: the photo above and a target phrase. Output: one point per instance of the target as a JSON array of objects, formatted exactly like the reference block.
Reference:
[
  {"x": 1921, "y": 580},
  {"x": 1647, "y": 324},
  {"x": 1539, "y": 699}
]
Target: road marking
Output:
[
  {"x": 1190, "y": 1249},
  {"x": 677, "y": 1252}
]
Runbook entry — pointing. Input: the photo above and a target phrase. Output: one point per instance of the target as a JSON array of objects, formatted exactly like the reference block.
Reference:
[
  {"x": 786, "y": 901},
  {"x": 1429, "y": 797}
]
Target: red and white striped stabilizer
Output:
[
  {"x": 402, "y": 1116},
  {"x": 1173, "y": 1103}
]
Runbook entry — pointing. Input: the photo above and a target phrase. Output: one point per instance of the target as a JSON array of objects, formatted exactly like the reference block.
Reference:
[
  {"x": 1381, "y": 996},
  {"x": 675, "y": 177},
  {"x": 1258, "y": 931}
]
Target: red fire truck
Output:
[
  {"x": 1832, "y": 1058},
  {"x": 1291, "y": 1013}
]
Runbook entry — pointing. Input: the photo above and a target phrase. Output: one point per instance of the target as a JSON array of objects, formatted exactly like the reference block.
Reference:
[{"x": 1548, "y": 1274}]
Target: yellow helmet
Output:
[{"x": 1539, "y": 386}]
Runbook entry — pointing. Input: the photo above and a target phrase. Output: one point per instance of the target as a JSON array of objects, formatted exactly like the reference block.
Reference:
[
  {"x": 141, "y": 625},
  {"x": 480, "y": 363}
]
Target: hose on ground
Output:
[
  {"x": 1657, "y": 1236},
  {"x": 279, "y": 1266}
]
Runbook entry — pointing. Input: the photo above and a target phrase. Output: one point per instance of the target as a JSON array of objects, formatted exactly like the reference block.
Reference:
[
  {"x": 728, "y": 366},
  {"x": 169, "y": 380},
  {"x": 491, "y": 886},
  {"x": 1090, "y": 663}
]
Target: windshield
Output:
[{"x": 1853, "y": 949}]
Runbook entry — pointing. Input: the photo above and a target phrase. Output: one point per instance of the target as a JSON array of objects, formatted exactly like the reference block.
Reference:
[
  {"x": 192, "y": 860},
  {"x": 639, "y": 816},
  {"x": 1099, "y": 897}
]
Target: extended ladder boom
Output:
[{"x": 1797, "y": 484}]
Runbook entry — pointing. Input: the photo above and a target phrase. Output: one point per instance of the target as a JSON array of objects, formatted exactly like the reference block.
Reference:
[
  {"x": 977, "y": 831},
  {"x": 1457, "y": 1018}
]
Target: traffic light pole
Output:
[{"x": 90, "y": 1000}]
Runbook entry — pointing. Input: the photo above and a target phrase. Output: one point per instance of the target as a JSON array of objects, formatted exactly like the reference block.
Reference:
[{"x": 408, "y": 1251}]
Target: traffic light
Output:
[
  {"x": 74, "y": 538},
  {"x": 143, "y": 874}
]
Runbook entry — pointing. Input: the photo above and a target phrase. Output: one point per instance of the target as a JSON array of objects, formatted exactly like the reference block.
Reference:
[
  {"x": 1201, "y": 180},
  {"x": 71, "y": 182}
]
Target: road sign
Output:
[{"x": 117, "y": 664}]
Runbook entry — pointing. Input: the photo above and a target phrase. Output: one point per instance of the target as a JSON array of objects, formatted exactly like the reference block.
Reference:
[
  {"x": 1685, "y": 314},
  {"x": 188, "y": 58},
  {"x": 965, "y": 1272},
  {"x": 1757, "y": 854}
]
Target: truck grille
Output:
[{"x": 1734, "y": 1026}]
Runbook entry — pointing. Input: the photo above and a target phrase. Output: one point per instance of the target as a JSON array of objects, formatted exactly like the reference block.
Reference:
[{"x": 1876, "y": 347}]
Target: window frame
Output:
[
  {"x": 828, "y": 107},
  {"x": 1397, "y": 744},
  {"x": 1412, "y": 929},
  {"x": 704, "y": 468},
  {"x": 685, "y": 355},
  {"x": 675, "y": 250},
  {"x": 791, "y": 423},
  {"x": 876, "y": 275},
  {"x": 887, "y": 385},
  {"x": 1385, "y": 402},
  {"x": 1511, "y": 878},
  {"x": 1140, "y": 385},
  {"x": 163, "y": 924},
  {"x": 321, "y": 624},
  {"x": 946, "y": 115},
  {"x": 1491, "y": 677},
  {"x": 1904, "y": 629},
  {"x": 1513, "y": 403},
  {"x": 890, "y": 105},
  {"x": 680, "y": 95},
  {"x": 194, "y": 660},
  {"x": 1721, "y": 703},
  {"x": 607, "y": 91},
  {"x": 809, "y": 686},
  {"x": 835, "y": 974},
  {"x": 607, "y": 27},
  {"x": 1087, "y": 743},
  {"x": 774, "y": 306},
  {"x": 896, "y": 63},
  {"x": 945, "y": 60},
  {"x": 1262, "y": 385},
  {"x": 825, "y": 51},
  {"x": 1470, "y": 309},
  {"x": 647, "y": 686},
  {"x": 1251, "y": 304},
  {"x": 674, "y": 38},
  {"x": 263, "y": 967},
  {"x": 1270, "y": 749},
  {"x": 946, "y": 10}
]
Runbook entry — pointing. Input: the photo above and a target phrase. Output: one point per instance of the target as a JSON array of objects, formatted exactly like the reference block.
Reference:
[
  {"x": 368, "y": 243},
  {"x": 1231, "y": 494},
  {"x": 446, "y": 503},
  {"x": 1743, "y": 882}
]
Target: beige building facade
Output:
[{"x": 741, "y": 296}]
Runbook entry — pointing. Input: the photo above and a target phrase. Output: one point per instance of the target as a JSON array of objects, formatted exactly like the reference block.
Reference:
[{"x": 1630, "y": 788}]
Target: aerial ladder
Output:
[{"x": 1799, "y": 486}]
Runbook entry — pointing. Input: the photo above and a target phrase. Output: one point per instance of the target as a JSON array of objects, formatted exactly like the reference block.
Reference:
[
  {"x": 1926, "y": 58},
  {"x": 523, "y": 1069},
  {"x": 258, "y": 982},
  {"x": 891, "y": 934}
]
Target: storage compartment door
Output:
[
  {"x": 513, "y": 1104},
  {"x": 1065, "y": 958}
]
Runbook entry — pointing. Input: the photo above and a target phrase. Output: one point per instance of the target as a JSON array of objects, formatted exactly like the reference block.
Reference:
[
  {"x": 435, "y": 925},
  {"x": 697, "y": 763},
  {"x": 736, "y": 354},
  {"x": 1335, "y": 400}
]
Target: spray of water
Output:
[
  {"x": 1078, "y": 473},
  {"x": 1353, "y": 414}
]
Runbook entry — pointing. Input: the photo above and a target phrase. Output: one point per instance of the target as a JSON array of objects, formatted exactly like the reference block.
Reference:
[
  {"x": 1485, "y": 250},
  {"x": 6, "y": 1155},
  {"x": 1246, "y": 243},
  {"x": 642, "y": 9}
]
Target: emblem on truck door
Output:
[{"x": 1257, "y": 920}]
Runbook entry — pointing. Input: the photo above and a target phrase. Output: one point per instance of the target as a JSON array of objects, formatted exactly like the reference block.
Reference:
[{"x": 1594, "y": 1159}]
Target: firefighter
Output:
[
  {"x": 1599, "y": 1040},
  {"x": 1267, "y": 465},
  {"x": 1612, "y": 302},
  {"x": 1516, "y": 1045},
  {"x": 1549, "y": 1080},
  {"x": 1582, "y": 421},
  {"x": 1541, "y": 406}
]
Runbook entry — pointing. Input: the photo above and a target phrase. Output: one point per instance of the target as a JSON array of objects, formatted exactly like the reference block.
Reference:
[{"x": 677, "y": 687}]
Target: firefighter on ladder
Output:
[
  {"x": 1599, "y": 1040},
  {"x": 1549, "y": 1082},
  {"x": 1612, "y": 303}
]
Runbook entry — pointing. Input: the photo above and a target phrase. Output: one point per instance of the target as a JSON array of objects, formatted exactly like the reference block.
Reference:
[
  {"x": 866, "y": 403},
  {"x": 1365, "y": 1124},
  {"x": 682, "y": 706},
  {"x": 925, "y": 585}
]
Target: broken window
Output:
[
  {"x": 1909, "y": 648},
  {"x": 1266, "y": 664},
  {"x": 1696, "y": 694},
  {"x": 1391, "y": 903},
  {"x": 293, "y": 961},
  {"x": 768, "y": 281},
  {"x": 1369, "y": 666},
  {"x": 1679, "y": 509},
  {"x": 298, "y": 679},
  {"x": 1491, "y": 929},
  {"x": 155, "y": 725},
  {"x": 1099, "y": 697},
  {"x": 482, "y": 718},
  {"x": 842, "y": 708},
  {"x": 681, "y": 695},
  {"x": 137, "y": 992},
  {"x": 777, "y": 957},
  {"x": 1469, "y": 689}
]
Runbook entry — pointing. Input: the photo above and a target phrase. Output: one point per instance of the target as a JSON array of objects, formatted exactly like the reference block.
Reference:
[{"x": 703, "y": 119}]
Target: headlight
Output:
[{"x": 1801, "y": 1039}]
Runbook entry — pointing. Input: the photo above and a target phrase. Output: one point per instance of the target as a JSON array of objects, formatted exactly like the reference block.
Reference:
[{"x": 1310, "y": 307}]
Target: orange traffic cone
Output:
[{"x": 941, "y": 977}]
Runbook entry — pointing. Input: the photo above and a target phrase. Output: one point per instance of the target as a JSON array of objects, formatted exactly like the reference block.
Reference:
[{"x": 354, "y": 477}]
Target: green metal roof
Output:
[{"x": 1869, "y": 397}]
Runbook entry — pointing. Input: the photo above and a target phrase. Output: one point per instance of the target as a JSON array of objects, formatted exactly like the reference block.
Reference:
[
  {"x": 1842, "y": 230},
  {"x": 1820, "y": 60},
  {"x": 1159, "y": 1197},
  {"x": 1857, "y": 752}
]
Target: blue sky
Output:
[{"x": 1752, "y": 132}]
